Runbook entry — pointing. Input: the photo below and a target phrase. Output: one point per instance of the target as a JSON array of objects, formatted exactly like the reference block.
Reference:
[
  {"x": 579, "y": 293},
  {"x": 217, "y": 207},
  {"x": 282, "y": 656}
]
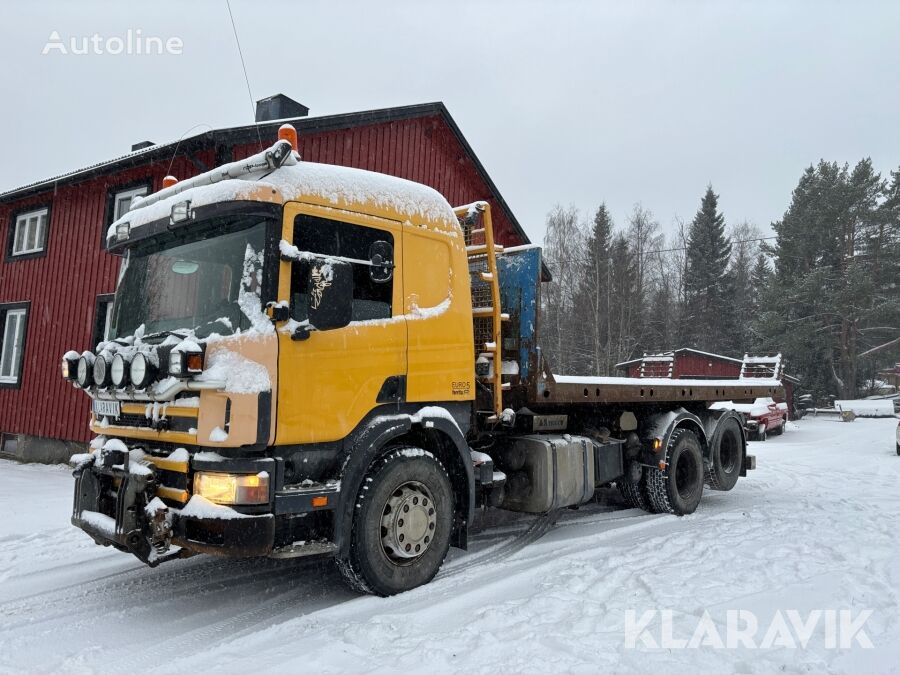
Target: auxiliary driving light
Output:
[
  {"x": 118, "y": 371},
  {"x": 230, "y": 488},
  {"x": 85, "y": 371},
  {"x": 181, "y": 212},
  {"x": 101, "y": 372},
  {"x": 142, "y": 371},
  {"x": 123, "y": 231}
]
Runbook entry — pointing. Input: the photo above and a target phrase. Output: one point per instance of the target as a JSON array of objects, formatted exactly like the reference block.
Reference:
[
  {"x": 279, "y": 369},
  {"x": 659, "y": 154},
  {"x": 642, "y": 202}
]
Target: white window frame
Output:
[
  {"x": 20, "y": 315},
  {"x": 120, "y": 196},
  {"x": 36, "y": 219},
  {"x": 107, "y": 321}
]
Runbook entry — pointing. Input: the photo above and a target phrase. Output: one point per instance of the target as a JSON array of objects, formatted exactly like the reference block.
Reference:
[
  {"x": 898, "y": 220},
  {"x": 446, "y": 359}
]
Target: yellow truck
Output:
[{"x": 315, "y": 360}]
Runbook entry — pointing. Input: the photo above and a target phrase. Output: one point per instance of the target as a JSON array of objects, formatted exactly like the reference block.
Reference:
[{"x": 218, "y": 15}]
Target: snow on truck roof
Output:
[{"x": 340, "y": 186}]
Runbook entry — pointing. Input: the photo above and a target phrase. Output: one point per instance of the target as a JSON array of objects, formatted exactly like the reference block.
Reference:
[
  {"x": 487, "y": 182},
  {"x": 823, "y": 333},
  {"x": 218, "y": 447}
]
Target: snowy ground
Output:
[{"x": 817, "y": 526}]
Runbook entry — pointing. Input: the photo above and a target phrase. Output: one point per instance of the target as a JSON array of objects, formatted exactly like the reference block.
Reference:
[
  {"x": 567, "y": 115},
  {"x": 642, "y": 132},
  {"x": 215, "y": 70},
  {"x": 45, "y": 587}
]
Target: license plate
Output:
[{"x": 106, "y": 408}]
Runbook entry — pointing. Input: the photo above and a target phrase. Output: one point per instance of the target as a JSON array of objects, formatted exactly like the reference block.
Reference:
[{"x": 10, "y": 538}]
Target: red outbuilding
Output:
[{"x": 56, "y": 279}]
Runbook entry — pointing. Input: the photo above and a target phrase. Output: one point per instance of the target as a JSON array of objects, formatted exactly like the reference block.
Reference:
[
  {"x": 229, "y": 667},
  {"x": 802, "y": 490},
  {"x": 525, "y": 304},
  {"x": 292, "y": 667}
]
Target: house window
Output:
[
  {"x": 103, "y": 317},
  {"x": 30, "y": 232},
  {"x": 122, "y": 200},
  {"x": 13, "y": 345}
]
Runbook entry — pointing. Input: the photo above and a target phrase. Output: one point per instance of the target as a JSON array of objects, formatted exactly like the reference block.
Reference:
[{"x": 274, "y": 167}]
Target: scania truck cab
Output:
[{"x": 307, "y": 360}]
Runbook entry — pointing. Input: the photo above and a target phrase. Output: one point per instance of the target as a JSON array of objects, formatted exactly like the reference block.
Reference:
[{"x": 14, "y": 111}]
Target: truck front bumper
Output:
[{"x": 114, "y": 504}]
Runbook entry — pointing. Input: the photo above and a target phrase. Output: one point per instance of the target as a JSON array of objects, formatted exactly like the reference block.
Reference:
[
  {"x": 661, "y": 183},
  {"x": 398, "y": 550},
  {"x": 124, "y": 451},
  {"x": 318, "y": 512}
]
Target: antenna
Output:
[{"x": 244, "y": 66}]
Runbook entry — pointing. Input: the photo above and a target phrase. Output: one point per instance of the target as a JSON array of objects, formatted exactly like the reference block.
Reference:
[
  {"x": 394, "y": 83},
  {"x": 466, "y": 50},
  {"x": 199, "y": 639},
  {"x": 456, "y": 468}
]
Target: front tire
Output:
[
  {"x": 679, "y": 488},
  {"x": 402, "y": 521},
  {"x": 761, "y": 434}
]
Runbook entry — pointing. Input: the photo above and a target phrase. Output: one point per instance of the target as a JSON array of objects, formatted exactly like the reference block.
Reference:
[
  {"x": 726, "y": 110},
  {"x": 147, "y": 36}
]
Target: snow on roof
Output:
[
  {"x": 341, "y": 184},
  {"x": 677, "y": 351},
  {"x": 338, "y": 185}
]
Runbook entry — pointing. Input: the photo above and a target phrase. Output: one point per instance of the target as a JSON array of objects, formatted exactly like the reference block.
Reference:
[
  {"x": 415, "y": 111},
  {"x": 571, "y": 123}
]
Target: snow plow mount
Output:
[
  {"x": 116, "y": 504},
  {"x": 128, "y": 528}
]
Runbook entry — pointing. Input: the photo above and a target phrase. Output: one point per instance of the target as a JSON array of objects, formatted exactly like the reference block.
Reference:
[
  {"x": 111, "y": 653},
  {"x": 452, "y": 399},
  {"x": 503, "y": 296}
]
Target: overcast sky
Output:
[{"x": 564, "y": 102}]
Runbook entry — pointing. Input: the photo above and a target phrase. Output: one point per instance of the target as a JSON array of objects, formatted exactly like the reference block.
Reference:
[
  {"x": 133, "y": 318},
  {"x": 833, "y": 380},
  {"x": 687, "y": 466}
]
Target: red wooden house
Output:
[{"x": 56, "y": 279}]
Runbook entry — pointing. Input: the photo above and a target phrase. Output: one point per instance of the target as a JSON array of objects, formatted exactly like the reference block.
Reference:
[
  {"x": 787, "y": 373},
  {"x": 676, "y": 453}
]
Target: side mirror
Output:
[
  {"x": 329, "y": 295},
  {"x": 381, "y": 257}
]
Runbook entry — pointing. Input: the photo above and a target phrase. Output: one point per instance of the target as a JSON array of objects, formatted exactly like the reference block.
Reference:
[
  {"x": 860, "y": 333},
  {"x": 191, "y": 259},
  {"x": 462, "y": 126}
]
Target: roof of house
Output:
[
  {"x": 679, "y": 351},
  {"x": 250, "y": 133},
  {"x": 625, "y": 364}
]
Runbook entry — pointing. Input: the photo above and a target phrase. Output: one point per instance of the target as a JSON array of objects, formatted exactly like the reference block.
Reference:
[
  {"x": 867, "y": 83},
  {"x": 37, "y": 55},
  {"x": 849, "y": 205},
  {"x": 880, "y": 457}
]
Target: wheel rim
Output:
[
  {"x": 408, "y": 521},
  {"x": 728, "y": 452},
  {"x": 685, "y": 476}
]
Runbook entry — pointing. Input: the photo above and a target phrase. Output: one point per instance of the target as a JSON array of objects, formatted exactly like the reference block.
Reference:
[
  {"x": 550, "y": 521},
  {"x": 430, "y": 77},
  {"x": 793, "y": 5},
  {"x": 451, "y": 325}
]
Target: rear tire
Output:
[
  {"x": 726, "y": 457},
  {"x": 635, "y": 494},
  {"x": 402, "y": 522},
  {"x": 679, "y": 488}
]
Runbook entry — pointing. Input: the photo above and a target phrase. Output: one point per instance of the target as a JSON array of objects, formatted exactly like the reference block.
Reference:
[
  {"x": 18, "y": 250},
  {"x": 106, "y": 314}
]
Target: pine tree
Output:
[
  {"x": 835, "y": 296},
  {"x": 594, "y": 296},
  {"x": 706, "y": 285}
]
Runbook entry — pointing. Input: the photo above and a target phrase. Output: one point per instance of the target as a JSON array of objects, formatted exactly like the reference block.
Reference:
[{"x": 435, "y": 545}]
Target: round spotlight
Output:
[
  {"x": 101, "y": 372},
  {"x": 142, "y": 371},
  {"x": 118, "y": 371},
  {"x": 85, "y": 371}
]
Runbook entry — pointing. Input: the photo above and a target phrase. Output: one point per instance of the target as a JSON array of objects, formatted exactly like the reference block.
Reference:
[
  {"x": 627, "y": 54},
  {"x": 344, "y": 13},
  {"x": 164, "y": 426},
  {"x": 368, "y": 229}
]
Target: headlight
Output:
[
  {"x": 184, "y": 364},
  {"x": 118, "y": 371},
  {"x": 70, "y": 365},
  {"x": 101, "y": 371},
  {"x": 142, "y": 371},
  {"x": 85, "y": 371},
  {"x": 230, "y": 488}
]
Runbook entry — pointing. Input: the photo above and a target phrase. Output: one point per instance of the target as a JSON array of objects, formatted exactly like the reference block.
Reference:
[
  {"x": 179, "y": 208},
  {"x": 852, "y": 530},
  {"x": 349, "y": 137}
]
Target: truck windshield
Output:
[{"x": 208, "y": 280}]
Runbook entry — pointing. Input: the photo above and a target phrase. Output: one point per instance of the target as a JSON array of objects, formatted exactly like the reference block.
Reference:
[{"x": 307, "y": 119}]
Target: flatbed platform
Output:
[{"x": 571, "y": 389}]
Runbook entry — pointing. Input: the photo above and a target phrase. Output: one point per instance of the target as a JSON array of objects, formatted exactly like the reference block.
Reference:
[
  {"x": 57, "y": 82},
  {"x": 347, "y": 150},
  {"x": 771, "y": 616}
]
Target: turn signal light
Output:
[
  {"x": 657, "y": 444},
  {"x": 320, "y": 501}
]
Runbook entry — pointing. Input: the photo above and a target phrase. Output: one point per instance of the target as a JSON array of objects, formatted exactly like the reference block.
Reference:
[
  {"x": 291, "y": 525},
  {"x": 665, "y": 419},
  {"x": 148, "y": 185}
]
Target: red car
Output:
[{"x": 761, "y": 418}]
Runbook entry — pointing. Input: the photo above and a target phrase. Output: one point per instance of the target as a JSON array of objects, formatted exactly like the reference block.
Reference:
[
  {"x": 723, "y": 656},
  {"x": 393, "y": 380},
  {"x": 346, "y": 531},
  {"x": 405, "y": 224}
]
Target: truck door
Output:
[{"x": 329, "y": 381}]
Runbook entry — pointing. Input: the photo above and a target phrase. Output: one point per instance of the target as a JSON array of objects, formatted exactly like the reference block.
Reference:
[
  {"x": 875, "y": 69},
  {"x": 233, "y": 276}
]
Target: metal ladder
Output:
[{"x": 487, "y": 315}]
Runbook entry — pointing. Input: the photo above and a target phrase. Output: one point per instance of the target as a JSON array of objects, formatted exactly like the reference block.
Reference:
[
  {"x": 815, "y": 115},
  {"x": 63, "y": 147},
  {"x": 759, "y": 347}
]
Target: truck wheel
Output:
[
  {"x": 723, "y": 467},
  {"x": 401, "y": 524},
  {"x": 761, "y": 434},
  {"x": 634, "y": 494},
  {"x": 678, "y": 489}
]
